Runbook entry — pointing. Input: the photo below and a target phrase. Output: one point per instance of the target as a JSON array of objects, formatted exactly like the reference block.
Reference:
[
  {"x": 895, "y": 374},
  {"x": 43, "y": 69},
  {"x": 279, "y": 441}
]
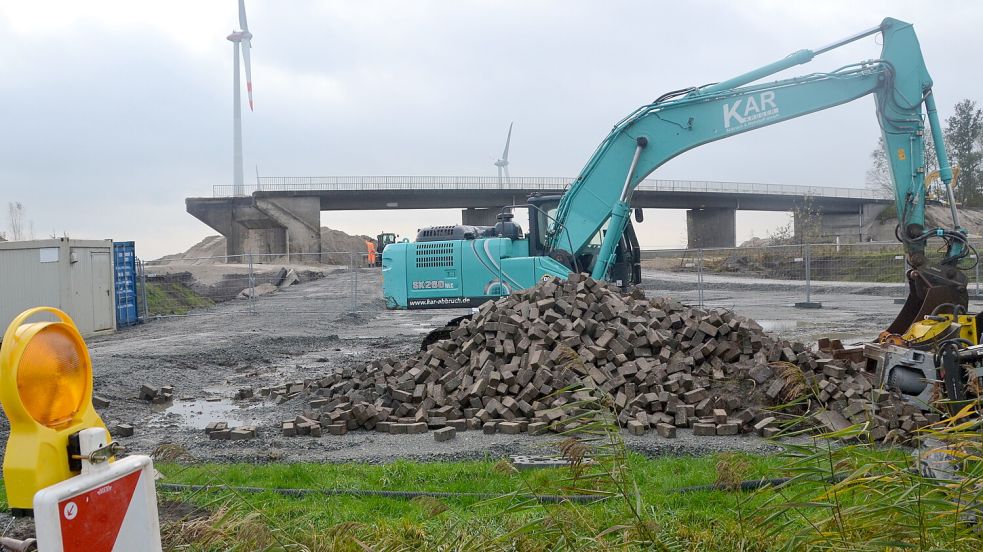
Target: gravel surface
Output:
[{"x": 306, "y": 331}]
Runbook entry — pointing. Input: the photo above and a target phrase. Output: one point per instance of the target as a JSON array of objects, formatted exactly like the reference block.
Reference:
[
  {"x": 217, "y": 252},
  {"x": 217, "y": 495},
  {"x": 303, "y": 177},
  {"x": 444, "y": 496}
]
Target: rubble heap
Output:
[{"x": 665, "y": 366}]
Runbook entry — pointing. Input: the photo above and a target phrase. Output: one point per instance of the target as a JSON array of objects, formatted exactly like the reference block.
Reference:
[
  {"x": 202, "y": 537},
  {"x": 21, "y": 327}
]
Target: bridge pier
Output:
[
  {"x": 479, "y": 217},
  {"x": 298, "y": 220},
  {"x": 829, "y": 227},
  {"x": 711, "y": 227},
  {"x": 264, "y": 225}
]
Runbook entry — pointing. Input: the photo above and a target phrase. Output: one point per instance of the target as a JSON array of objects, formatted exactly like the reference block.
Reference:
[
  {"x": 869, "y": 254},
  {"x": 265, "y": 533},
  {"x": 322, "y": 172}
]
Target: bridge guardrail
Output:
[{"x": 383, "y": 183}]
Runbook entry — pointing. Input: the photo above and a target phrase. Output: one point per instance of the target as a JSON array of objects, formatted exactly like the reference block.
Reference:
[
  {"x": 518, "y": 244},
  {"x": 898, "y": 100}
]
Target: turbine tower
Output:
[
  {"x": 503, "y": 162},
  {"x": 240, "y": 39}
]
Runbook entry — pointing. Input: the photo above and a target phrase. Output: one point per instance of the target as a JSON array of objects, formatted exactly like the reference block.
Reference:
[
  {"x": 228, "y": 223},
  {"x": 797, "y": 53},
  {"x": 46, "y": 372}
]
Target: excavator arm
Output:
[{"x": 655, "y": 133}]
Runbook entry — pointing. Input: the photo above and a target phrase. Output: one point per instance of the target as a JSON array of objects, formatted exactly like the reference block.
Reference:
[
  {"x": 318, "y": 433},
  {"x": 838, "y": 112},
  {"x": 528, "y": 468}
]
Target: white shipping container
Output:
[{"x": 75, "y": 276}]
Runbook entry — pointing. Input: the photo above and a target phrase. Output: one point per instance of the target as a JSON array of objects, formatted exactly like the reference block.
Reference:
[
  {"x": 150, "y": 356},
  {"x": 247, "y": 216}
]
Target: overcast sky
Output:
[{"x": 115, "y": 111}]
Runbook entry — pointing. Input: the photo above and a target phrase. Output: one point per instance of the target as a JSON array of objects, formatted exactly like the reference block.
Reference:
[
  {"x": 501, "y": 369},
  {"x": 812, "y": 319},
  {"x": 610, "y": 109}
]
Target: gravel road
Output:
[{"x": 307, "y": 331}]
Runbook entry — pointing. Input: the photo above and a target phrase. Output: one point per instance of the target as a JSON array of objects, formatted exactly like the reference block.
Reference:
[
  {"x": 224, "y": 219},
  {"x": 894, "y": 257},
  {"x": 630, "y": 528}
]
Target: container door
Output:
[{"x": 102, "y": 300}]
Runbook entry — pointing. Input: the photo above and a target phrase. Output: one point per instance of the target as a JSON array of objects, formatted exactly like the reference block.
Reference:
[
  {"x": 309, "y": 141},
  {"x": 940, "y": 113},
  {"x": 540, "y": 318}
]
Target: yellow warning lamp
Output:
[{"x": 46, "y": 392}]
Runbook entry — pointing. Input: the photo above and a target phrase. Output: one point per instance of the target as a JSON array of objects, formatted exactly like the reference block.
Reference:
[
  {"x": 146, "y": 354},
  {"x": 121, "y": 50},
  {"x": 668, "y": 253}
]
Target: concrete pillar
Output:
[
  {"x": 848, "y": 227},
  {"x": 264, "y": 226},
  {"x": 300, "y": 218},
  {"x": 225, "y": 216},
  {"x": 479, "y": 217},
  {"x": 714, "y": 227}
]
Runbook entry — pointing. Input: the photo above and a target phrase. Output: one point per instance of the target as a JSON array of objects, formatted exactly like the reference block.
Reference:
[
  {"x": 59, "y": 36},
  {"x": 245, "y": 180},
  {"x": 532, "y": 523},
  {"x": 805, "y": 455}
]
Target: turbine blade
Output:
[
  {"x": 242, "y": 16},
  {"x": 246, "y": 46},
  {"x": 508, "y": 140}
]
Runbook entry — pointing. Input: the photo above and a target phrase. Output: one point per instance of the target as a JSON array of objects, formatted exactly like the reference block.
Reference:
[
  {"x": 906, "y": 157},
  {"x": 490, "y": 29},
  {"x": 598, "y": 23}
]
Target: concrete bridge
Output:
[{"x": 284, "y": 213}]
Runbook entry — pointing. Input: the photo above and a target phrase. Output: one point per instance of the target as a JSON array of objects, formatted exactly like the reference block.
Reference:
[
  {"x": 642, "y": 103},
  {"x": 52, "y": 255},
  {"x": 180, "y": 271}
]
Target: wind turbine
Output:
[
  {"x": 243, "y": 38},
  {"x": 503, "y": 162}
]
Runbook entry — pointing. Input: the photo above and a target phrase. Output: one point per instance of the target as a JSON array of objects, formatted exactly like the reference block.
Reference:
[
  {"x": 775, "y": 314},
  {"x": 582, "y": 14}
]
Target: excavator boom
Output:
[{"x": 587, "y": 230}]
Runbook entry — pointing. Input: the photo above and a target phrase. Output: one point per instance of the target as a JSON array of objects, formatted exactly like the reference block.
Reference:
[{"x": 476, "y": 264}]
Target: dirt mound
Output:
[
  {"x": 211, "y": 249},
  {"x": 203, "y": 252}
]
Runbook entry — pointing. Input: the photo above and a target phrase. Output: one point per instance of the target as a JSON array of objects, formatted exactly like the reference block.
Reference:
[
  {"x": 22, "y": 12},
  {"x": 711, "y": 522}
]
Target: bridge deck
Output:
[{"x": 343, "y": 193}]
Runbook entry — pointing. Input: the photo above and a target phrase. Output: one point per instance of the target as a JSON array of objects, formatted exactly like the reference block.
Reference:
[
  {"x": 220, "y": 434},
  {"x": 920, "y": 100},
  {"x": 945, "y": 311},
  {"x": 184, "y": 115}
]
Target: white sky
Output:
[{"x": 115, "y": 111}]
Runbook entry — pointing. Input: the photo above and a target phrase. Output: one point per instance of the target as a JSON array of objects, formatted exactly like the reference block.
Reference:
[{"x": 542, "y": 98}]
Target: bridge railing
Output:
[{"x": 523, "y": 183}]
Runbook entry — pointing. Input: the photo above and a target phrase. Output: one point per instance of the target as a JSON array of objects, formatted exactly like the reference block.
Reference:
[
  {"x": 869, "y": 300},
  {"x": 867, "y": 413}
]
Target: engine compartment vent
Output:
[{"x": 433, "y": 255}]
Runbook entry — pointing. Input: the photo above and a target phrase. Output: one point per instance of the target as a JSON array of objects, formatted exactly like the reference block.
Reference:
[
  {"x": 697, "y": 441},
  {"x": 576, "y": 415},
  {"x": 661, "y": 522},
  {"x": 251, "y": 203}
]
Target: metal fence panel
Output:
[{"x": 347, "y": 282}]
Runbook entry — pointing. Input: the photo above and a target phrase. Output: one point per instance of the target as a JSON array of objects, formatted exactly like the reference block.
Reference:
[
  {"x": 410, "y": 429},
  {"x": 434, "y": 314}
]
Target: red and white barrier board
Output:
[{"x": 112, "y": 509}]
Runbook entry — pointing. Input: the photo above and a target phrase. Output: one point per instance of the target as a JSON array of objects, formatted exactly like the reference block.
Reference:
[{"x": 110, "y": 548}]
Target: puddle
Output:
[
  {"x": 778, "y": 325},
  {"x": 198, "y": 413}
]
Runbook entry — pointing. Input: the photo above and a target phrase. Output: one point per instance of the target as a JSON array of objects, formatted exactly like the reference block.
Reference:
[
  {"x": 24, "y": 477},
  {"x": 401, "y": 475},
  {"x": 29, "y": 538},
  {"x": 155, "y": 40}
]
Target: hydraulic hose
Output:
[
  {"x": 751, "y": 485},
  {"x": 548, "y": 499}
]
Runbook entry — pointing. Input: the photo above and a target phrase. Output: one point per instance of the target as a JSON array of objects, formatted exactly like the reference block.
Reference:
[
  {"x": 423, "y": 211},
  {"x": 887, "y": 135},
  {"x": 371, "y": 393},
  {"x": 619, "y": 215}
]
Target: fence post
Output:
[
  {"x": 699, "y": 275},
  {"x": 904, "y": 279},
  {"x": 808, "y": 303},
  {"x": 252, "y": 285},
  {"x": 977, "y": 259},
  {"x": 351, "y": 266},
  {"x": 143, "y": 282}
]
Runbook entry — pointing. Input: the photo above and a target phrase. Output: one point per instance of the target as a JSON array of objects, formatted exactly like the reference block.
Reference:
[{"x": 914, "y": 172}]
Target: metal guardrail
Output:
[{"x": 525, "y": 183}]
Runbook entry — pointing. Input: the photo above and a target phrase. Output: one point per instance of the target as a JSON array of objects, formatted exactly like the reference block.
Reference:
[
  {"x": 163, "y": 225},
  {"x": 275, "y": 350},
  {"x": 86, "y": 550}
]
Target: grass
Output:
[
  {"x": 701, "y": 520},
  {"x": 806, "y": 516},
  {"x": 173, "y": 298}
]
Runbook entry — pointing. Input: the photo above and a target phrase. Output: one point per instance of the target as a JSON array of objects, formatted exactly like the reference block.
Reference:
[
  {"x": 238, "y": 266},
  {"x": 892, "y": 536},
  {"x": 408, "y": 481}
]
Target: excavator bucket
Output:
[{"x": 928, "y": 288}]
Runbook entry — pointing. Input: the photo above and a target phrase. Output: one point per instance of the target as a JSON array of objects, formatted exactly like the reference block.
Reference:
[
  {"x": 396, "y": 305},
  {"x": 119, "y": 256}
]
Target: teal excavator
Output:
[{"x": 588, "y": 230}]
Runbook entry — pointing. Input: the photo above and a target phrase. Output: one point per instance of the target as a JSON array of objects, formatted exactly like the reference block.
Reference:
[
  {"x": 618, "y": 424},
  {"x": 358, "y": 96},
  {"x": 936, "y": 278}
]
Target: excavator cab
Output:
[
  {"x": 381, "y": 241},
  {"x": 626, "y": 270}
]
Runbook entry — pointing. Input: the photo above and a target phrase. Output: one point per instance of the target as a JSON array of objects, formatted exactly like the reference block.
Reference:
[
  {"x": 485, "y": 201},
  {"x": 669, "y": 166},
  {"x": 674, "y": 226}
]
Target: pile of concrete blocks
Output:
[
  {"x": 281, "y": 393},
  {"x": 301, "y": 425},
  {"x": 221, "y": 431},
  {"x": 665, "y": 365},
  {"x": 286, "y": 277},
  {"x": 154, "y": 395}
]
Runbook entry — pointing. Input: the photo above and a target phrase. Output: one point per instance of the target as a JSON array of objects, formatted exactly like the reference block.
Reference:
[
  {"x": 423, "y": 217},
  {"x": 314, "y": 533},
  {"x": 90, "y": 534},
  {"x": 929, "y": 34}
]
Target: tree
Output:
[
  {"x": 964, "y": 142},
  {"x": 15, "y": 220},
  {"x": 878, "y": 177},
  {"x": 804, "y": 225},
  {"x": 963, "y": 135}
]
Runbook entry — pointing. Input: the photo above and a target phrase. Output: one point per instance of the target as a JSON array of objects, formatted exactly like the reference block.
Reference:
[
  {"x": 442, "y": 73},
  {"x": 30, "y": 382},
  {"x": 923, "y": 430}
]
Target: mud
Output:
[{"x": 308, "y": 331}]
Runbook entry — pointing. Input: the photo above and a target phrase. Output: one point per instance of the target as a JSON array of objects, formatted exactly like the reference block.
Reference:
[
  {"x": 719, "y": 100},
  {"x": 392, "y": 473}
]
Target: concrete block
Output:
[
  {"x": 510, "y": 428},
  {"x": 288, "y": 429},
  {"x": 124, "y": 430},
  {"x": 239, "y": 434},
  {"x": 666, "y": 430},
  {"x": 444, "y": 434},
  {"x": 416, "y": 428},
  {"x": 537, "y": 428},
  {"x": 147, "y": 392},
  {"x": 704, "y": 429},
  {"x": 729, "y": 428},
  {"x": 338, "y": 429}
]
